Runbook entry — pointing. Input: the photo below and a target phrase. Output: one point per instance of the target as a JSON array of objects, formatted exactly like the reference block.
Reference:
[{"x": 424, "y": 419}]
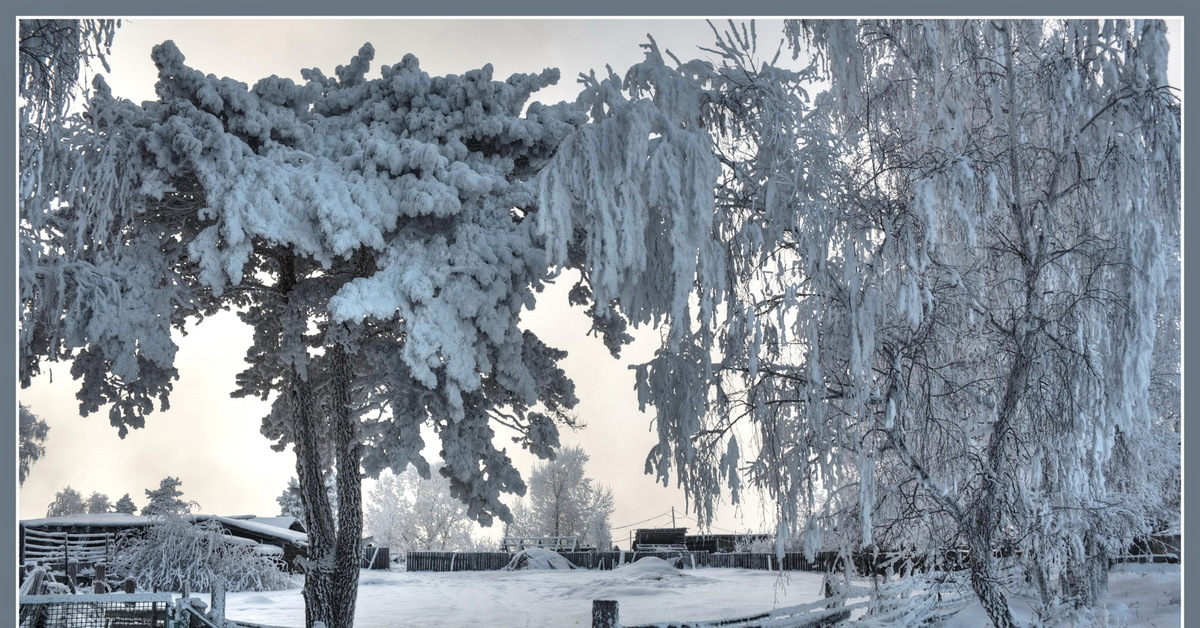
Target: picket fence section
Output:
[{"x": 456, "y": 561}]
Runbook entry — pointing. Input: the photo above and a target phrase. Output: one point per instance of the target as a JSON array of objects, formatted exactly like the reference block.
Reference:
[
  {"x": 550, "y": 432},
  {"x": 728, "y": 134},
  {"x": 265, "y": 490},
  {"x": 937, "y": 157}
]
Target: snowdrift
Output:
[
  {"x": 648, "y": 568},
  {"x": 537, "y": 558},
  {"x": 646, "y": 577}
]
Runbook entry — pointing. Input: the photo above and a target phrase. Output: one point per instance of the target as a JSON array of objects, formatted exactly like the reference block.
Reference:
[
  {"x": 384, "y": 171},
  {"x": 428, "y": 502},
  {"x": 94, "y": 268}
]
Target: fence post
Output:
[
  {"x": 605, "y": 614},
  {"x": 99, "y": 573},
  {"x": 72, "y": 573},
  {"x": 217, "y": 599},
  {"x": 831, "y": 591}
]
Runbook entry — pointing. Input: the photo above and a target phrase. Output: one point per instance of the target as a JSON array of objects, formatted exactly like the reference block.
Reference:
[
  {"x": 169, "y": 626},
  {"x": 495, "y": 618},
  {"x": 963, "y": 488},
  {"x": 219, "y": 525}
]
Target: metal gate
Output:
[{"x": 131, "y": 610}]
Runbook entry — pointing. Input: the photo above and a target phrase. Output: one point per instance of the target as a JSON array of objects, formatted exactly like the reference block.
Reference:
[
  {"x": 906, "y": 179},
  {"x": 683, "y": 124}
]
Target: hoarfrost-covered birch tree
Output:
[
  {"x": 31, "y": 437},
  {"x": 941, "y": 283},
  {"x": 407, "y": 512},
  {"x": 177, "y": 552},
  {"x": 66, "y": 502},
  {"x": 564, "y": 501},
  {"x": 1029, "y": 173},
  {"x": 98, "y": 502}
]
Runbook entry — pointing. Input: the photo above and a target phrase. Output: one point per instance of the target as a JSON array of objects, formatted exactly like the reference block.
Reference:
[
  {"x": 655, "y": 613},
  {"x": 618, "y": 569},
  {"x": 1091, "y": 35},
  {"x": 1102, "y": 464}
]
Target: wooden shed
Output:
[{"x": 659, "y": 539}]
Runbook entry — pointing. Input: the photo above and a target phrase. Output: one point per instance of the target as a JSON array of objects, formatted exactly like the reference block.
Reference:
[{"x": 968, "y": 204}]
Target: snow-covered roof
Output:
[
  {"x": 279, "y": 522},
  {"x": 95, "y": 520},
  {"x": 257, "y": 526}
]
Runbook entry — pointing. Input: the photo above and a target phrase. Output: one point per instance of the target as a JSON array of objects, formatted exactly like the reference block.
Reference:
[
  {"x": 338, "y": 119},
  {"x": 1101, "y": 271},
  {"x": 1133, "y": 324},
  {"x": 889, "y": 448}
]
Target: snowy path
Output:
[{"x": 1141, "y": 595}]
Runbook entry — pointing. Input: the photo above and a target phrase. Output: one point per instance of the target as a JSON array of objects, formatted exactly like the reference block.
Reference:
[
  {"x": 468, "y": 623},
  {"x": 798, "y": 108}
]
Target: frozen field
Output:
[{"x": 1140, "y": 595}]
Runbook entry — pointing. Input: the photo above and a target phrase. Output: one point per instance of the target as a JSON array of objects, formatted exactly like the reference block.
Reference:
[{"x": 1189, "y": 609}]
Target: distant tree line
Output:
[{"x": 164, "y": 500}]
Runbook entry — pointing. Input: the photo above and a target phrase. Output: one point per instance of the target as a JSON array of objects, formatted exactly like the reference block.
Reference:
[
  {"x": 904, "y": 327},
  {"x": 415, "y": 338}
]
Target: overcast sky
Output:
[{"x": 211, "y": 441}]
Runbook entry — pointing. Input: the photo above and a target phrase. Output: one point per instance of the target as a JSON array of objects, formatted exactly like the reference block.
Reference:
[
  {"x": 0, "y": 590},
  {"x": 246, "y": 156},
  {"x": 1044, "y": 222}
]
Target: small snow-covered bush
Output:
[
  {"x": 754, "y": 544},
  {"x": 178, "y": 550}
]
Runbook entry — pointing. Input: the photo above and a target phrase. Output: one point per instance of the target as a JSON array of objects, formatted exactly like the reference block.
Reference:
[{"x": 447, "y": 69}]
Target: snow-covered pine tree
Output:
[
  {"x": 125, "y": 505},
  {"x": 289, "y": 501},
  {"x": 165, "y": 500},
  {"x": 290, "y": 504},
  {"x": 375, "y": 235}
]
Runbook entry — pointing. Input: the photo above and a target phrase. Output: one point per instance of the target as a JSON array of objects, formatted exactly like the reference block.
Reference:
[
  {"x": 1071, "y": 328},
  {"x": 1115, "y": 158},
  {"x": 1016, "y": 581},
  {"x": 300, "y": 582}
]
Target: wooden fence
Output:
[
  {"x": 376, "y": 558},
  {"x": 47, "y": 547},
  {"x": 456, "y": 561},
  {"x": 864, "y": 563},
  {"x": 490, "y": 561},
  {"x": 486, "y": 561}
]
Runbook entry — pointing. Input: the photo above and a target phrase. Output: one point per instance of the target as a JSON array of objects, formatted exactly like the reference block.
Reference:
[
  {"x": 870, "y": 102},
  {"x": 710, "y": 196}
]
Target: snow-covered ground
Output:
[{"x": 1140, "y": 595}]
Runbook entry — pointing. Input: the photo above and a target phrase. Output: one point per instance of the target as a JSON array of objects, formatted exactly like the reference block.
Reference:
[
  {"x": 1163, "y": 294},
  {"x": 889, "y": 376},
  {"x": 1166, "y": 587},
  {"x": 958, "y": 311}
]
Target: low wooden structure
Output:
[
  {"x": 659, "y": 539},
  {"x": 87, "y": 539}
]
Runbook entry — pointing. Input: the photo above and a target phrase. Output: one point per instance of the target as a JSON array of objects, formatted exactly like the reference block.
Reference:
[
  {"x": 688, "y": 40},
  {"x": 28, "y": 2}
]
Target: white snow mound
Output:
[
  {"x": 537, "y": 558},
  {"x": 648, "y": 568}
]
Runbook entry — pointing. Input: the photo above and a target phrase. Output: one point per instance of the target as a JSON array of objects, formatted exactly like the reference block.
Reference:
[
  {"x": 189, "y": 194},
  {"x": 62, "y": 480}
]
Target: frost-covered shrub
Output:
[
  {"x": 755, "y": 545},
  {"x": 179, "y": 550}
]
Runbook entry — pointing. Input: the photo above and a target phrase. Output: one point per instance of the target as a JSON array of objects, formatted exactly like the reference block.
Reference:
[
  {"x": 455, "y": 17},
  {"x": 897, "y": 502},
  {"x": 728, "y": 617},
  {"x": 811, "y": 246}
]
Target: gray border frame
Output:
[{"x": 549, "y": 8}]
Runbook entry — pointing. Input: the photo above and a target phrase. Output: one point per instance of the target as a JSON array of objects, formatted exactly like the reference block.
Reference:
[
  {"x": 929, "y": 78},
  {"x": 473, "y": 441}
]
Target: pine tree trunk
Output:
[
  {"x": 330, "y": 588},
  {"x": 348, "y": 553},
  {"x": 331, "y": 578},
  {"x": 320, "y": 591}
]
